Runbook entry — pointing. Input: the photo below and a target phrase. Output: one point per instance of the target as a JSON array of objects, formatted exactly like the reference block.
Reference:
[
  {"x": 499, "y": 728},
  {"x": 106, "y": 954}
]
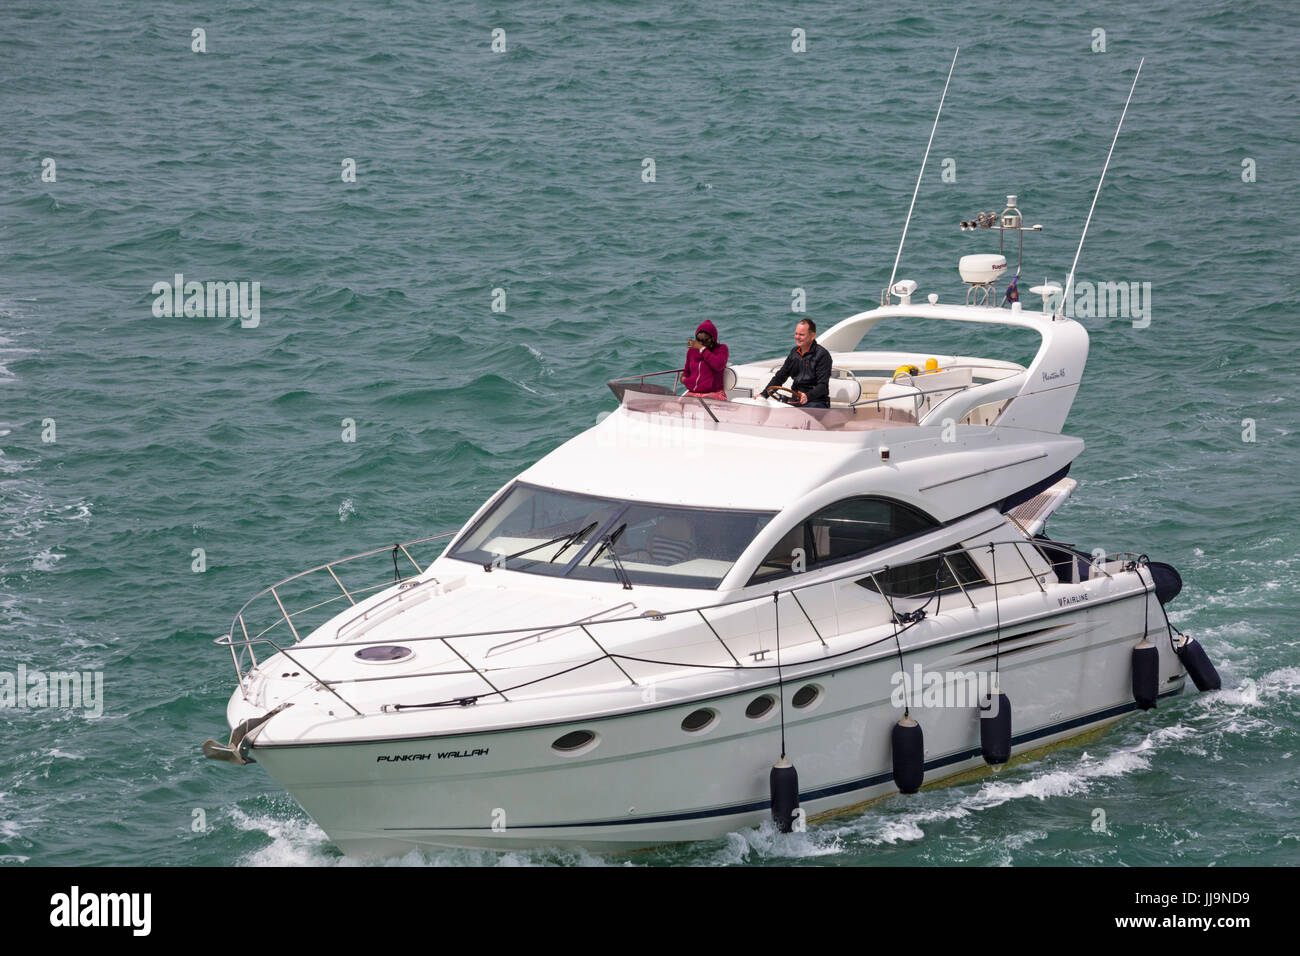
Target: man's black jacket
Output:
[{"x": 811, "y": 372}]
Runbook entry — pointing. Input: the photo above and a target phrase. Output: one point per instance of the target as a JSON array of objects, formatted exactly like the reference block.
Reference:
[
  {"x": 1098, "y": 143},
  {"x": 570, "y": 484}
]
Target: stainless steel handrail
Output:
[
  {"x": 914, "y": 395},
  {"x": 585, "y": 625},
  {"x": 995, "y": 365},
  {"x": 403, "y": 594},
  {"x": 1011, "y": 368},
  {"x": 287, "y": 617},
  {"x": 629, "y": 384},
  {"x": 640, "y": 379},
  {"x": 226, "y": 640}
]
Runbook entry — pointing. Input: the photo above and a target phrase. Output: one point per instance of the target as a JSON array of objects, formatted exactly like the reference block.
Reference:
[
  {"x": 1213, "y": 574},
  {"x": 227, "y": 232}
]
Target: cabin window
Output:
[
  {"x": 699, "y": 720},
  {"x": 673, "y": 546},
  {"x": 538, "y": 530},
  {"x": 806, "y": 696},
  {"x": 574, "y": 741},
  {"x": 922, "y": 578},
  {"x": 560, "y": 533},
  {"x": 846, "y": 529}
]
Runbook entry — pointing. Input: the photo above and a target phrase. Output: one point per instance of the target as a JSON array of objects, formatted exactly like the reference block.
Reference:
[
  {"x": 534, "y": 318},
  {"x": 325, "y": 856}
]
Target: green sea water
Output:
[{"x": 522, "y": 170}]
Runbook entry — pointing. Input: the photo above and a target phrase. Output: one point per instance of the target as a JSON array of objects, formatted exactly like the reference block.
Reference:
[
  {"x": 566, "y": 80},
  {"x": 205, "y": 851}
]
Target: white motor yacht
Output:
[
  {"x": 863, "y": 603},
  {"x": 866, "y": 604}
]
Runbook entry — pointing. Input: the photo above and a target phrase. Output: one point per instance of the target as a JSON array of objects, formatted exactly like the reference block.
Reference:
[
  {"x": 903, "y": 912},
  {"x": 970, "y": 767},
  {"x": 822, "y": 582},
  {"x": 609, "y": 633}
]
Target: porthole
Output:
[
  {"x": 760, "y": 706},
  {"x": 383, "y": 653},
  {"x": 806, "y": 696},
  {"x": 699, "y": 720},
  {"x": 575, "y": 741}
]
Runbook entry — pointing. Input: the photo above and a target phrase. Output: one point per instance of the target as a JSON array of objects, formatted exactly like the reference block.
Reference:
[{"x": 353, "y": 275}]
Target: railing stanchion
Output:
[
  {"x": 287, "y": 618},
  {"x": 481, "y": 675},
  {"x": 251, "y": 654},
  {"x": 733, "y": 657},
  {"x": 807, "y": 615},
  {"x": 330, "y": 569},
  {"x": 953, "y": 572},
  {"x": 418, "y": 569},
  {"x": 1028, "y": 568},
  {"x": 888, "y": 600},
  {"x": 607, "y": 654},
  {"x": 238, "y": 673}
]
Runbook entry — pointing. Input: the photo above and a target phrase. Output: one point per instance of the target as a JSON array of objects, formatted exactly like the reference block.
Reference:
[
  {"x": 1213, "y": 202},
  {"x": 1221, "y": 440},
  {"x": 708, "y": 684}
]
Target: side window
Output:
[
  {"x": 851, "y": 527},
  {"x": 925, "y": 577},
  {"x": 840, "y": 531}
]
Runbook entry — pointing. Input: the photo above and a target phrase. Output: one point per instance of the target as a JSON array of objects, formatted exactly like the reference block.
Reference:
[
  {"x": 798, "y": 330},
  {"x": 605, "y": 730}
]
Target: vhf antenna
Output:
[
  {"x": 1065, "y": 296},
  {"x": 885, "y": 298}
]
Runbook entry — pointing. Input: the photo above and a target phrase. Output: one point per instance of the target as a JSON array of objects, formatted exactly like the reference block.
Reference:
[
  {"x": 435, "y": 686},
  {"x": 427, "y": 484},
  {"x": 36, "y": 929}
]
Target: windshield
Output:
[{"x": 558, "y": 533}]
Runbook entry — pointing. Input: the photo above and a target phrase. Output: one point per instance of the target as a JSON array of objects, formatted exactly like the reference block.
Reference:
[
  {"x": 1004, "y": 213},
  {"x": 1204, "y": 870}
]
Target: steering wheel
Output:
[{"x": 781, "y": 388}]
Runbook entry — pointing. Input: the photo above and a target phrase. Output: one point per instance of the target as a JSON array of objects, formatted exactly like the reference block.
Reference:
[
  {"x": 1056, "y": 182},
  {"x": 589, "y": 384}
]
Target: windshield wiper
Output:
[
  {"x": 581, "y": 533},
  {"x": 608, "y": 541},
  {"x": 568, "y": 539},
  {"x": 607, "y": 544}
]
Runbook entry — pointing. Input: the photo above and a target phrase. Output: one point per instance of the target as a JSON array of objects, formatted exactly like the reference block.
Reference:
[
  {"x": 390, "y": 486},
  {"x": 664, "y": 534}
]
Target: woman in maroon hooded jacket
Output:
[{"x": 706, "y": 361}]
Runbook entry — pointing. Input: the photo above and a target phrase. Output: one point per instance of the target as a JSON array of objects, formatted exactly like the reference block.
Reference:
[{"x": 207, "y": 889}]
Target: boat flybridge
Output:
[{"x": 640, "y": 638}]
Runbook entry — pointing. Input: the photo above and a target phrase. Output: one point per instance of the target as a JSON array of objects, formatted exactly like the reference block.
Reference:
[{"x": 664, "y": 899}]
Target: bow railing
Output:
[{"x": 896, "y": 604}]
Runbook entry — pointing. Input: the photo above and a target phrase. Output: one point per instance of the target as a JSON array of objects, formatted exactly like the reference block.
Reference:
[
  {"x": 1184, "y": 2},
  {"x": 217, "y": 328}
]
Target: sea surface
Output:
[{"x": 129, "y": 440}]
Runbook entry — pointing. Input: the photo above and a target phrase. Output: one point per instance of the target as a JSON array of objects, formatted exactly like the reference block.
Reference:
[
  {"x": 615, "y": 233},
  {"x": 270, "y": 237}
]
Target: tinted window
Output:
[
  {"x": 851, "y": 527},
  {"x": 843, "y": 530},
  {"x": 530, "y": 529},
  {"x": 921, "y": 578},
  {"x": 544, "y": 531},
  {"x": 677, "y": 547}
]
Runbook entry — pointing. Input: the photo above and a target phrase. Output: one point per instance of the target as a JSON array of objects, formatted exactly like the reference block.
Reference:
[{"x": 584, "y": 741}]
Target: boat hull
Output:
[{"x": 644, "y": 781}]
